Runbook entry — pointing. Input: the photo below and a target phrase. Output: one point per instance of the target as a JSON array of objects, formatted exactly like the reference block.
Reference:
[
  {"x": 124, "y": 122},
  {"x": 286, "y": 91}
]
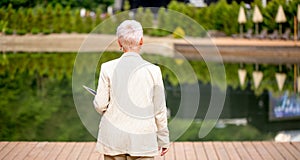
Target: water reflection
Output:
[{"x": 37, "y": 101}]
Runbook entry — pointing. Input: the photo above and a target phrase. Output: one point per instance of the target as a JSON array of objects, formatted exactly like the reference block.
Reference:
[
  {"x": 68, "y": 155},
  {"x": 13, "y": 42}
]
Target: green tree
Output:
[
  {"x": 40, "y": 20},
  {"x": 58, "y": 19},
  {"x": 139, "y": 14},
  {"x": 161, "y": 17},
  {"x": 126, "y": 5},
  {"x": 68, "y": 19},
  {"x": 48, "y": 18},
  {"x": 98, "y": 19},
  {"x": 270, "y": 14},
  {"x": 78, "y": 25},
  {"x": 9, "y": 17},
  {"x": 108, "y": 26},
  {"x": 291, "y": 11},
  {"x": 147, "y": 21},
  {"x": 30, "y": 20},
  {"x": 88, "y": 24},
  {"x": 232, "y": 11},
  {"x": 2, "y": 13},
  {"x": 21, "y": 22}
]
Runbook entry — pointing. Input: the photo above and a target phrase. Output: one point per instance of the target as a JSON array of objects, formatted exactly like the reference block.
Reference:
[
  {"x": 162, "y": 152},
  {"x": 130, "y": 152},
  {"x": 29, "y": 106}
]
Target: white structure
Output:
[
  {"x": 118, "y": 5},
  {"x": 198, "y": 3},
  {"x": 264, "y": 3}
]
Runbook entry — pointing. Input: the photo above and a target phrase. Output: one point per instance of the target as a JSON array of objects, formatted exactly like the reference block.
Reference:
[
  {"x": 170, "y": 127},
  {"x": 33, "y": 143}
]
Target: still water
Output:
[{"x": 37, "y": 99}]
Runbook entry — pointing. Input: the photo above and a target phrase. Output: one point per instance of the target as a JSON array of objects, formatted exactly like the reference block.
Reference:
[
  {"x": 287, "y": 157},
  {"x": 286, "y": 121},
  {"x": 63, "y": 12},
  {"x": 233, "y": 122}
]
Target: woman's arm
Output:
[
  {"x": 161, "y": 113},
  {"x": 102, "y": 97}
]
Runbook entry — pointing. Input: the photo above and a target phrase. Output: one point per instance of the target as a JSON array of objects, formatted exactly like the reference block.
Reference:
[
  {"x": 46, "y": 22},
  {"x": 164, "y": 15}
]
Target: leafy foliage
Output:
[
  {"x": 178, "y": 33},
  {"x": 221, "y": 16}
]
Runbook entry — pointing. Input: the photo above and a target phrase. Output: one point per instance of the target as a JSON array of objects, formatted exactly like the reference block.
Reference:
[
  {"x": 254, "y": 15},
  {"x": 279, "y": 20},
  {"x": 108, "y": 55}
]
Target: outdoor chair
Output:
[
  {"x": 263, "y": 34},
  {"x": 286, "y": 34},
  {"x": 274, "y": 35},
  {"x": 248, "y": 35}
]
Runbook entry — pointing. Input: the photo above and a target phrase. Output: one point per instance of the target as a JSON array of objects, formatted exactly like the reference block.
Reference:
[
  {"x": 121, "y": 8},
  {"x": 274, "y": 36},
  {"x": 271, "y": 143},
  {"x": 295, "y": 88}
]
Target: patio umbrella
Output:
[
  {"x": 280, "y": 18},
  {"x": 257, "y": 77},
  {"x": 257, "y": 18},
  {"x": 280, "y": 79},
  {"x": 298, "y": 13},
  {"x": 242, "y": 76},
  {"x": 242, "y": 19}
]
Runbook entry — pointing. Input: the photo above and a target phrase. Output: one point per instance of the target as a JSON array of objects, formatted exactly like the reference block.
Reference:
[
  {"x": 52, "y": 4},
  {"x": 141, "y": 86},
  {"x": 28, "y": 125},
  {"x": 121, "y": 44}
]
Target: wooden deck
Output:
[{"x": 178, "y": 151}]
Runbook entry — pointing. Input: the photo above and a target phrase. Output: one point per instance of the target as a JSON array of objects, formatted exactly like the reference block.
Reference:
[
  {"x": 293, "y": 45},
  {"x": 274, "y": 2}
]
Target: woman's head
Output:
[{"x": 130, "y": 35}]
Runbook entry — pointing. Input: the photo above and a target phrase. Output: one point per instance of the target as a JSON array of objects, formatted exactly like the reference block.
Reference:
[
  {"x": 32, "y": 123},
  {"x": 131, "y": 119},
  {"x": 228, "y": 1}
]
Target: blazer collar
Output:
[{"x": 131, "y": 54}]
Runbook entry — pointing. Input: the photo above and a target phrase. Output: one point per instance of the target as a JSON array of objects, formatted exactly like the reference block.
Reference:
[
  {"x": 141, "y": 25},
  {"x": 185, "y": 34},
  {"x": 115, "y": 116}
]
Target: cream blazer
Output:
[{"x": 131, "y": 98}]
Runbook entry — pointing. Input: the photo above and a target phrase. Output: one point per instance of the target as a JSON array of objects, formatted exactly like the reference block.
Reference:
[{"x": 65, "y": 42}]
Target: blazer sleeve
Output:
[
  {"x": 161, "y": 112},
  {"x": 102, "y": 97}
]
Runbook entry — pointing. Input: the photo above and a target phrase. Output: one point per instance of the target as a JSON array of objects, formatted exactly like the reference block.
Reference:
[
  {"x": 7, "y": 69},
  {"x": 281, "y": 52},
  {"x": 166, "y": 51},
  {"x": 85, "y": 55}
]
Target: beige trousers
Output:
[{"x": 126, "y": 157}]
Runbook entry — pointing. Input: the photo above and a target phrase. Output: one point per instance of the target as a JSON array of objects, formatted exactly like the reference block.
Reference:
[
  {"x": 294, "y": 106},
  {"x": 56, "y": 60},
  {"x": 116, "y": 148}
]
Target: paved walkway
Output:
[
  {"x": 231, "y": 50},
  {"x": 178, "y": 151},
  {"x": 73, "y": 42}
]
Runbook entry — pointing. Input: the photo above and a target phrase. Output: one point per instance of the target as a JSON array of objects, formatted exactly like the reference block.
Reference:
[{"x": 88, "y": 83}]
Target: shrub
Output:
[
  {"x": 35, "y": 31},
  {"x": 46, "y": 31},
  {"x": 158, "y": 33},
  {"x": 178, "y": 33},
  {"x": 9, "y": 31},
  {"x": 21, "y": 32},
  {"x": 3, "y": 25}
]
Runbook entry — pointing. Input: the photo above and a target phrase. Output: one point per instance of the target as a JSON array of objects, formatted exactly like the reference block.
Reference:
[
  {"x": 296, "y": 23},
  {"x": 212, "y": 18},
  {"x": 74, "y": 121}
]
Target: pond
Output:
[{"x": 37, "y": 100}]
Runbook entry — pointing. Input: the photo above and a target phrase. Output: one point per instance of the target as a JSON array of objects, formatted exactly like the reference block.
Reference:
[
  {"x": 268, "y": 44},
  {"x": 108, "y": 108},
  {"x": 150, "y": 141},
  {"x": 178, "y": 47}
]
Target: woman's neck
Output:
[{"x": 131, "y": 50}]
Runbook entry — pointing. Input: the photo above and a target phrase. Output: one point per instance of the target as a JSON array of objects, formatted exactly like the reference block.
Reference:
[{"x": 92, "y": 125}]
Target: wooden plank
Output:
[
  {"x": 241, "y": 150},
  {"x": 189, "y": 151},
  {"x": 2, "y": 145},
  {"x": 292, "y": 150},
  {"x": 209, "y": 149},
  {"x": 23, "y": 153},
  {"x": 179, "y": 151},
  {"x": 170, "y": 154},
  {"x": 66, "y": 151},
  {"x": 250, "y": 148},
  {"x": 45, "y": 151},
  {"x": 9, "y": 147},
  {"x": 286, "y": 154},
  {"x": 35, "y": 151},
  {"x": 200, "y": 151},
  {"x": 272, "y": 150},
  {"x": 158, "y": 157},
  {"x": 58, "y": 148},
  {"x": 76, "y": 151},
  {"x": 221, "y": 152},
  {"x": 87, "y": 150},
  {"x": 96, "y": 156},
  {"x": 232, "y": 153},
  {"x": 296, "y": 145},
  {"x": 17, "y": 149},
  {"x": 260, "y": 148}
]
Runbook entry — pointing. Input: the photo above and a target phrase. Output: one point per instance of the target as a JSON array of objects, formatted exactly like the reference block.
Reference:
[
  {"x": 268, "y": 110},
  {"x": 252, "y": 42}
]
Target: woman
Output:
[{"x": 130, "y": 96}]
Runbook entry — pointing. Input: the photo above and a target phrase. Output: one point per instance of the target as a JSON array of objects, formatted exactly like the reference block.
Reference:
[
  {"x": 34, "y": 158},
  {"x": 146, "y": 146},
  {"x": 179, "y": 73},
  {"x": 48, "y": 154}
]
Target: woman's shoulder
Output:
[
  {"x": 110, "y": 63},
  {"x": 152, "y": 65}
]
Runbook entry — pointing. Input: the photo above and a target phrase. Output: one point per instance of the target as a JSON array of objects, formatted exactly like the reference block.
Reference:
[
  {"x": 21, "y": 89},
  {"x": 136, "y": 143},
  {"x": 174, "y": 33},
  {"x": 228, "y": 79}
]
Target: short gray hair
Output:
[{"x": 130, "y": 33}]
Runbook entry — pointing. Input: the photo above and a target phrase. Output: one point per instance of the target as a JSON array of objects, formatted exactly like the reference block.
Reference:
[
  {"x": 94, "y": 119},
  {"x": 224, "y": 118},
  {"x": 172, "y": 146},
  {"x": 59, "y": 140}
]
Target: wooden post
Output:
[
  {"x": 295, "y": 29},
  {"x": 295, "y": 78},
  {"x": 241, "y": 30}
]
